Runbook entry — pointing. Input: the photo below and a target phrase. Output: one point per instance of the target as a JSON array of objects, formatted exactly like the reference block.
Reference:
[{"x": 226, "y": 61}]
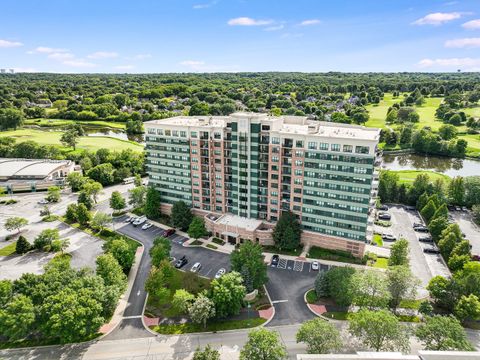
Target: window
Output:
[
  {"x": 159, "y": 131},
  {"x": 299, "y": 153},
  {"x": 323, "y": 146},
  {"x": 312, "y": 145},
  {"x": 347, "y": 148},
  {"x": 275, "y": 140},
  {"x": 217, "y": 135},
  {"x": 362, "y": 149},
  {"x": 298, "y": 162},
  {"x": 275, "y": 158},
  {"x": 183, "y": 134},
  {"x": 298, "y": 172},
  {"x": 335, "y": 147},
  {"x": 168, "y": 132},
  {"x": 265, "y": 127},
  {"x": 193, "y": 134},
  {"x": 299, "y": 144},
  {"x": 175, "y": 133}
]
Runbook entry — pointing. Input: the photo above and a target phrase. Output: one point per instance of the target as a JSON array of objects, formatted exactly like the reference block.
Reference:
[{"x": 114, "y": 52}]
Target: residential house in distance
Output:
[{"x": 242, "y": 171}]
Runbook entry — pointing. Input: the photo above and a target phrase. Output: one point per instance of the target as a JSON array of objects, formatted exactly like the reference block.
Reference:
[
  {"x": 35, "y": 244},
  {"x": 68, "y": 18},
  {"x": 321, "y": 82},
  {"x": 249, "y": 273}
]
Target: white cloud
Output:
[
  {"x": 472, "y": 24},
  {"x": 9, "y": 44},
  {"x": 437, "y": 18},
  {"x": 463, "y": 43},
  {"x": 24, "y": 69},
  {"x": 449, "y": 62},
  {"x": 103, "y": 55},
  {"x": 274, "y": 28},
  {"x": 142, "y": 56},
  {"x": 309, "y": 22},
  {"x": 47, "y": 50},
  {"x": 79, "y": 63},
  {"x": 124, "y": 67},
  {"x": 61, "y": 56},
  {"x": 246, "y": 21},
  {"x": 205, "y": 5}
]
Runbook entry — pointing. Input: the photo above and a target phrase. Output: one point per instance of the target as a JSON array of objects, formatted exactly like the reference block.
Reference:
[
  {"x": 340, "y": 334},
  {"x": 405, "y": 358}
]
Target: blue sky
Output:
[{"x": 146, "y": 36}]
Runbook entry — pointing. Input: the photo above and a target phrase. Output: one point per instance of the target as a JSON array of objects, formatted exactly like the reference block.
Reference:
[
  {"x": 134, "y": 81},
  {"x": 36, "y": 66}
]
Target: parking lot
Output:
[
  {"x": 469, "y": 228},
  {"x": 211, "y": 261},
  {"x": 423, "y": 265}
]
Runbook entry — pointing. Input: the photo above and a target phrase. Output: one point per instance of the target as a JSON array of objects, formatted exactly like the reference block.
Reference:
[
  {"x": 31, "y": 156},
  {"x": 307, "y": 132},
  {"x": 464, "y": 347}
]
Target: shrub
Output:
[{"x": 22, "y": 245}]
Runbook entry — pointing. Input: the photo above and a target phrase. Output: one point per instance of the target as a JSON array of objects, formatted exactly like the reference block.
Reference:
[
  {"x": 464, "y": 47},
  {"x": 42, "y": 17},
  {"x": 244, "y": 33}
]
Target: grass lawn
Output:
[
  {"x": 408, "y": 176},
  {"x": 86, "y": 142},
  {"x": 411, "y": 304},
  {"x": 275, "y": 250},
  {"x": 311, "y": 296},
  {"x": 377, "y": 239},
  {"x": 8, "y": 250},
  {"x": 336, "y": 315},
  {"x": 473, "y": 111},
  {"x": 378, "y": 113},
  {"x": 333, "y": 255},
  {"x": 427, "y": 113},
  {"x": 381, "y": 263},
  {"x": 180, "y": 280},
  {"x": 62, "y": 122},
  {"x": 473, "y": 148},
  {"x": 212, "y": 326}
]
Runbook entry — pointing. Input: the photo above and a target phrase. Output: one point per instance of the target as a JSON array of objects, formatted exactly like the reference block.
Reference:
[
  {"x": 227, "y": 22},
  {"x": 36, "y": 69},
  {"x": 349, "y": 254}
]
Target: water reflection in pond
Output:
[
  {"x": 448, "y": 166},
  {"x": 117, "y": 134}
]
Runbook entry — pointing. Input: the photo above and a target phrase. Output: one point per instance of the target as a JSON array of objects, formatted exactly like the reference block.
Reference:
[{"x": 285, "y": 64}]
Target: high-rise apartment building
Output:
[{"x": 241, "y": 171}]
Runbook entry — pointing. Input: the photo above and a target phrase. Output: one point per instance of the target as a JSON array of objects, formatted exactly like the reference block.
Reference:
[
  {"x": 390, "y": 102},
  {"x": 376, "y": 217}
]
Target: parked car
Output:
[
  {"x": 315, "y": 265},
  {"x": 220, "y": 273},
  {"x": 464, "y": 208},
  {"x": 181, "y": 262},
  {"x": 418, "y": 225},
  {"x": 275, "y": 259},
  {"x": 451, "y": 207},
  {"x": 458, "y": 208},
  {"x": 169, "y": 232},
  {"x": 410, "y": 208},
  {"x": 384, "y": 216},
  {"x": 388, "y": 237},
  {"x": 147, "y": 226},
  {"x": 426, "y": 239},
  {"x": 383, "y": 208},
  {"x": 476, "y": 257},
  {"x": 140, "y": 221},
  {"x": 432, "y": 249},
  {"x": 196, "y": 267},
  {"x": 133, "y": 218},
  {"x": 422, "y": 229},
  {"x": 129, "y": 219},
  {"x": 43, "y": 202}
]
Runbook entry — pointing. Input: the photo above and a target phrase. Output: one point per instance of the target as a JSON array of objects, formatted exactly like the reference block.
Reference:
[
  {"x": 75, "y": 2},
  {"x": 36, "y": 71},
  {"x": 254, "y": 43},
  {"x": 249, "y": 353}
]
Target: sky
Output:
[{"x": 148, "y": 36}]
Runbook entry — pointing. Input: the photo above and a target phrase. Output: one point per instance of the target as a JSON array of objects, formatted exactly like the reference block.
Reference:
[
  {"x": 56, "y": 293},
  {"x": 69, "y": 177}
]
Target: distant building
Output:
[
  {"x": 3, "y": 71},
  {"x": 242, "y": 171},
  {"x": 33, "y": 174}
]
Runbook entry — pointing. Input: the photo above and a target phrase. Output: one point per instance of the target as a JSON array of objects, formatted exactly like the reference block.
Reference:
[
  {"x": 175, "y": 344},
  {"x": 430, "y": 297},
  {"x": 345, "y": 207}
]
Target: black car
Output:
[
  {"x": 418, "y": 225},
  {"x": 384, "y": 216},
  {"x": 275, "y": 259},
  {"x": 181, "y": 262},
  {"x": 431, "y": 250},
  {"x": 383, "y": 208},
  {"x": 426, "y": 239},
  {"x": 410, "y": 208},
  {"x": 422, "y": 229}
]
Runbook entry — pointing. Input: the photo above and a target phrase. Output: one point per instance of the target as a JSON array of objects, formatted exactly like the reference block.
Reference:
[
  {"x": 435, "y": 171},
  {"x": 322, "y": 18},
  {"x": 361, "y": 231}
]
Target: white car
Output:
[
  {"x": 140, "y": 221},
  {"x": 146, "y": 226},
  {"x": 315, "y": 265},
  {"x": 220, "y": 273},
  {"x": 129, "y": 219},
  {"x": 196, "y": 267},
  {"x": 43, "y": 202}
]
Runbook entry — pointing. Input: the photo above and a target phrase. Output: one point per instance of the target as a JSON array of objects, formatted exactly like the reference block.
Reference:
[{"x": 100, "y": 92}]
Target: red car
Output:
[{"x": 169, "y": 232}]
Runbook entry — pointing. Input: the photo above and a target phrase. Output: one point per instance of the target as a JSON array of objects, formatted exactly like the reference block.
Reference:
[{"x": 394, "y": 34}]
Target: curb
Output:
[
  {"x": 313, "y": 312},
  {"x": 273, "y": 307}
]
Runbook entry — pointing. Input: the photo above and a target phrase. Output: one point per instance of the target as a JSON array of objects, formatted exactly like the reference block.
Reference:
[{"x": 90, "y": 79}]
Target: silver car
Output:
[
  {"x": 220, "y": 273},
  {"x": 196, "y": 267}
]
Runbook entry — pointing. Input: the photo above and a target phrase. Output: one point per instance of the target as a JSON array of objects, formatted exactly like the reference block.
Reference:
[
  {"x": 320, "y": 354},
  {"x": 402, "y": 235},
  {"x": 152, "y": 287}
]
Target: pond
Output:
[
  {"x": 448, "y": 166},
  {"x": 117, "y": 134}
]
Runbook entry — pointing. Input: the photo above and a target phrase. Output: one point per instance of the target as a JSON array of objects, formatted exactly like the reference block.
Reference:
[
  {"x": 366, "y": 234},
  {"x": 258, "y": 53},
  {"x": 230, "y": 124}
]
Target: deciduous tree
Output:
[
  {"x": 320, "y": 336},
  {"x": 249, "y": 258},
  {"x": 263, "y": 344},
  {"x": 443, "y": 333}
]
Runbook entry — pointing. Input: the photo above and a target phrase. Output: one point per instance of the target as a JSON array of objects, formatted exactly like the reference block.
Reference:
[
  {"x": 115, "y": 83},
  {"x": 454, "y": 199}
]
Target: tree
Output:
[
  {"x": 447, "y": 132},
  {"x": 152, "y": 203},
  {"x": 443, "y": 333},
  {"x": 59, "y": 245},
  {"x": 123, "y": 253},
  {"x": 92, "y": 189},
  {"x": 321, "y": 285},
  {"x": 71, "y": 213},
  {"x": 248, "y": 258},
  {"x": 456, "y": 191},
  {"x": 447, "y": 243},
  {"x": 117, "y": 202},
  {"x": 201, "y": 310},
  {"x": 22, "y": 246},
  {"x": 441, "y": 212},
  {"x": 387, "y": 187},
  {"x": 197, "y": 228},
  {"x": 476, "y": 213},
  {"x": 160, "y": 250},
  {"x": 45, "y": 239},
  {"x": 457, "y": 262},
  {"x": 83, "y": 215},
  {"x": 70, "y": 138},
  {"x": 401, "y": 283},
  {"x": 369, "y": 289},
  {"x": 181, "y": 215},
  {"x": 436, "y": 226},
  {"x": 287, "y": 231},
  {"x": 227, "y": 294},
  {"x": 428, "y": 211},
  {"x": 15, "y": 223},
  {"x": 468, "y": 308},
  {"x": 102, "y": 173},
  {"x": 320, "y": 336},
  {"x": 137, "y": 196},
  {"x": 100, "y": 221},
  {"x": 399, "y": 253},
  {"x": 379, "y": 330},
  {"x": 6, "y": 292},
  {"x": 443, "y": 292},
  {"x": 85, "y": 199},
  {"x": 263, "y": 344},
  {"x": 182, "y": 300},
  {"x": 111, "y": 272},
  {"x": 53, "y": 194},
  {"x": 339, "y": 283},
  {"x": 206, "y": 354},
  {"x": 17, "y": 317},
  {"x": 76, "y": 180}
]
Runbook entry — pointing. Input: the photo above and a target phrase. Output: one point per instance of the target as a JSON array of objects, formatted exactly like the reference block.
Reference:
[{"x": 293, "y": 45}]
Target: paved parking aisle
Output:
[{"x": 469, "y": 228}]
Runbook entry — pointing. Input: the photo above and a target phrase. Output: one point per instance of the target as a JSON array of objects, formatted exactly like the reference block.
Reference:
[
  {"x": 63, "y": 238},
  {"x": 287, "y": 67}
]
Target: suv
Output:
[
  {"x": 140, "y": 221},
  {"x": 388, "y": 237},
  {"x": 421, "y": 229},
  {"x": 275, "y": 259},
  {"x": 432, "y": 249},
  {"x": 384, "y": 216},
  {"x": 181, "y": 262},
  {"x": 426, "y": 239}
]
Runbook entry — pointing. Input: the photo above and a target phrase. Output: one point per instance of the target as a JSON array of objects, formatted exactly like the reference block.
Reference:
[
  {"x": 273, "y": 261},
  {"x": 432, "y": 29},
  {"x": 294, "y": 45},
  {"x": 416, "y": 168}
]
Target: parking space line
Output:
[
  {"x": 298, "y": 266},
  {"x": 208, "y": 272},
  {"x": 282, "y": 263},
  {"x": 279, "y": 301}
]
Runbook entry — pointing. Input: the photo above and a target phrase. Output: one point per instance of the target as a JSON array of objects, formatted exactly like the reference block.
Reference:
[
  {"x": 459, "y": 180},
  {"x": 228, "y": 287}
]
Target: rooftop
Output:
[
  {"x": 282, "y": 124},
  {"x": 29, "y": 167},
  {"x": 236, "y": 221}
]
